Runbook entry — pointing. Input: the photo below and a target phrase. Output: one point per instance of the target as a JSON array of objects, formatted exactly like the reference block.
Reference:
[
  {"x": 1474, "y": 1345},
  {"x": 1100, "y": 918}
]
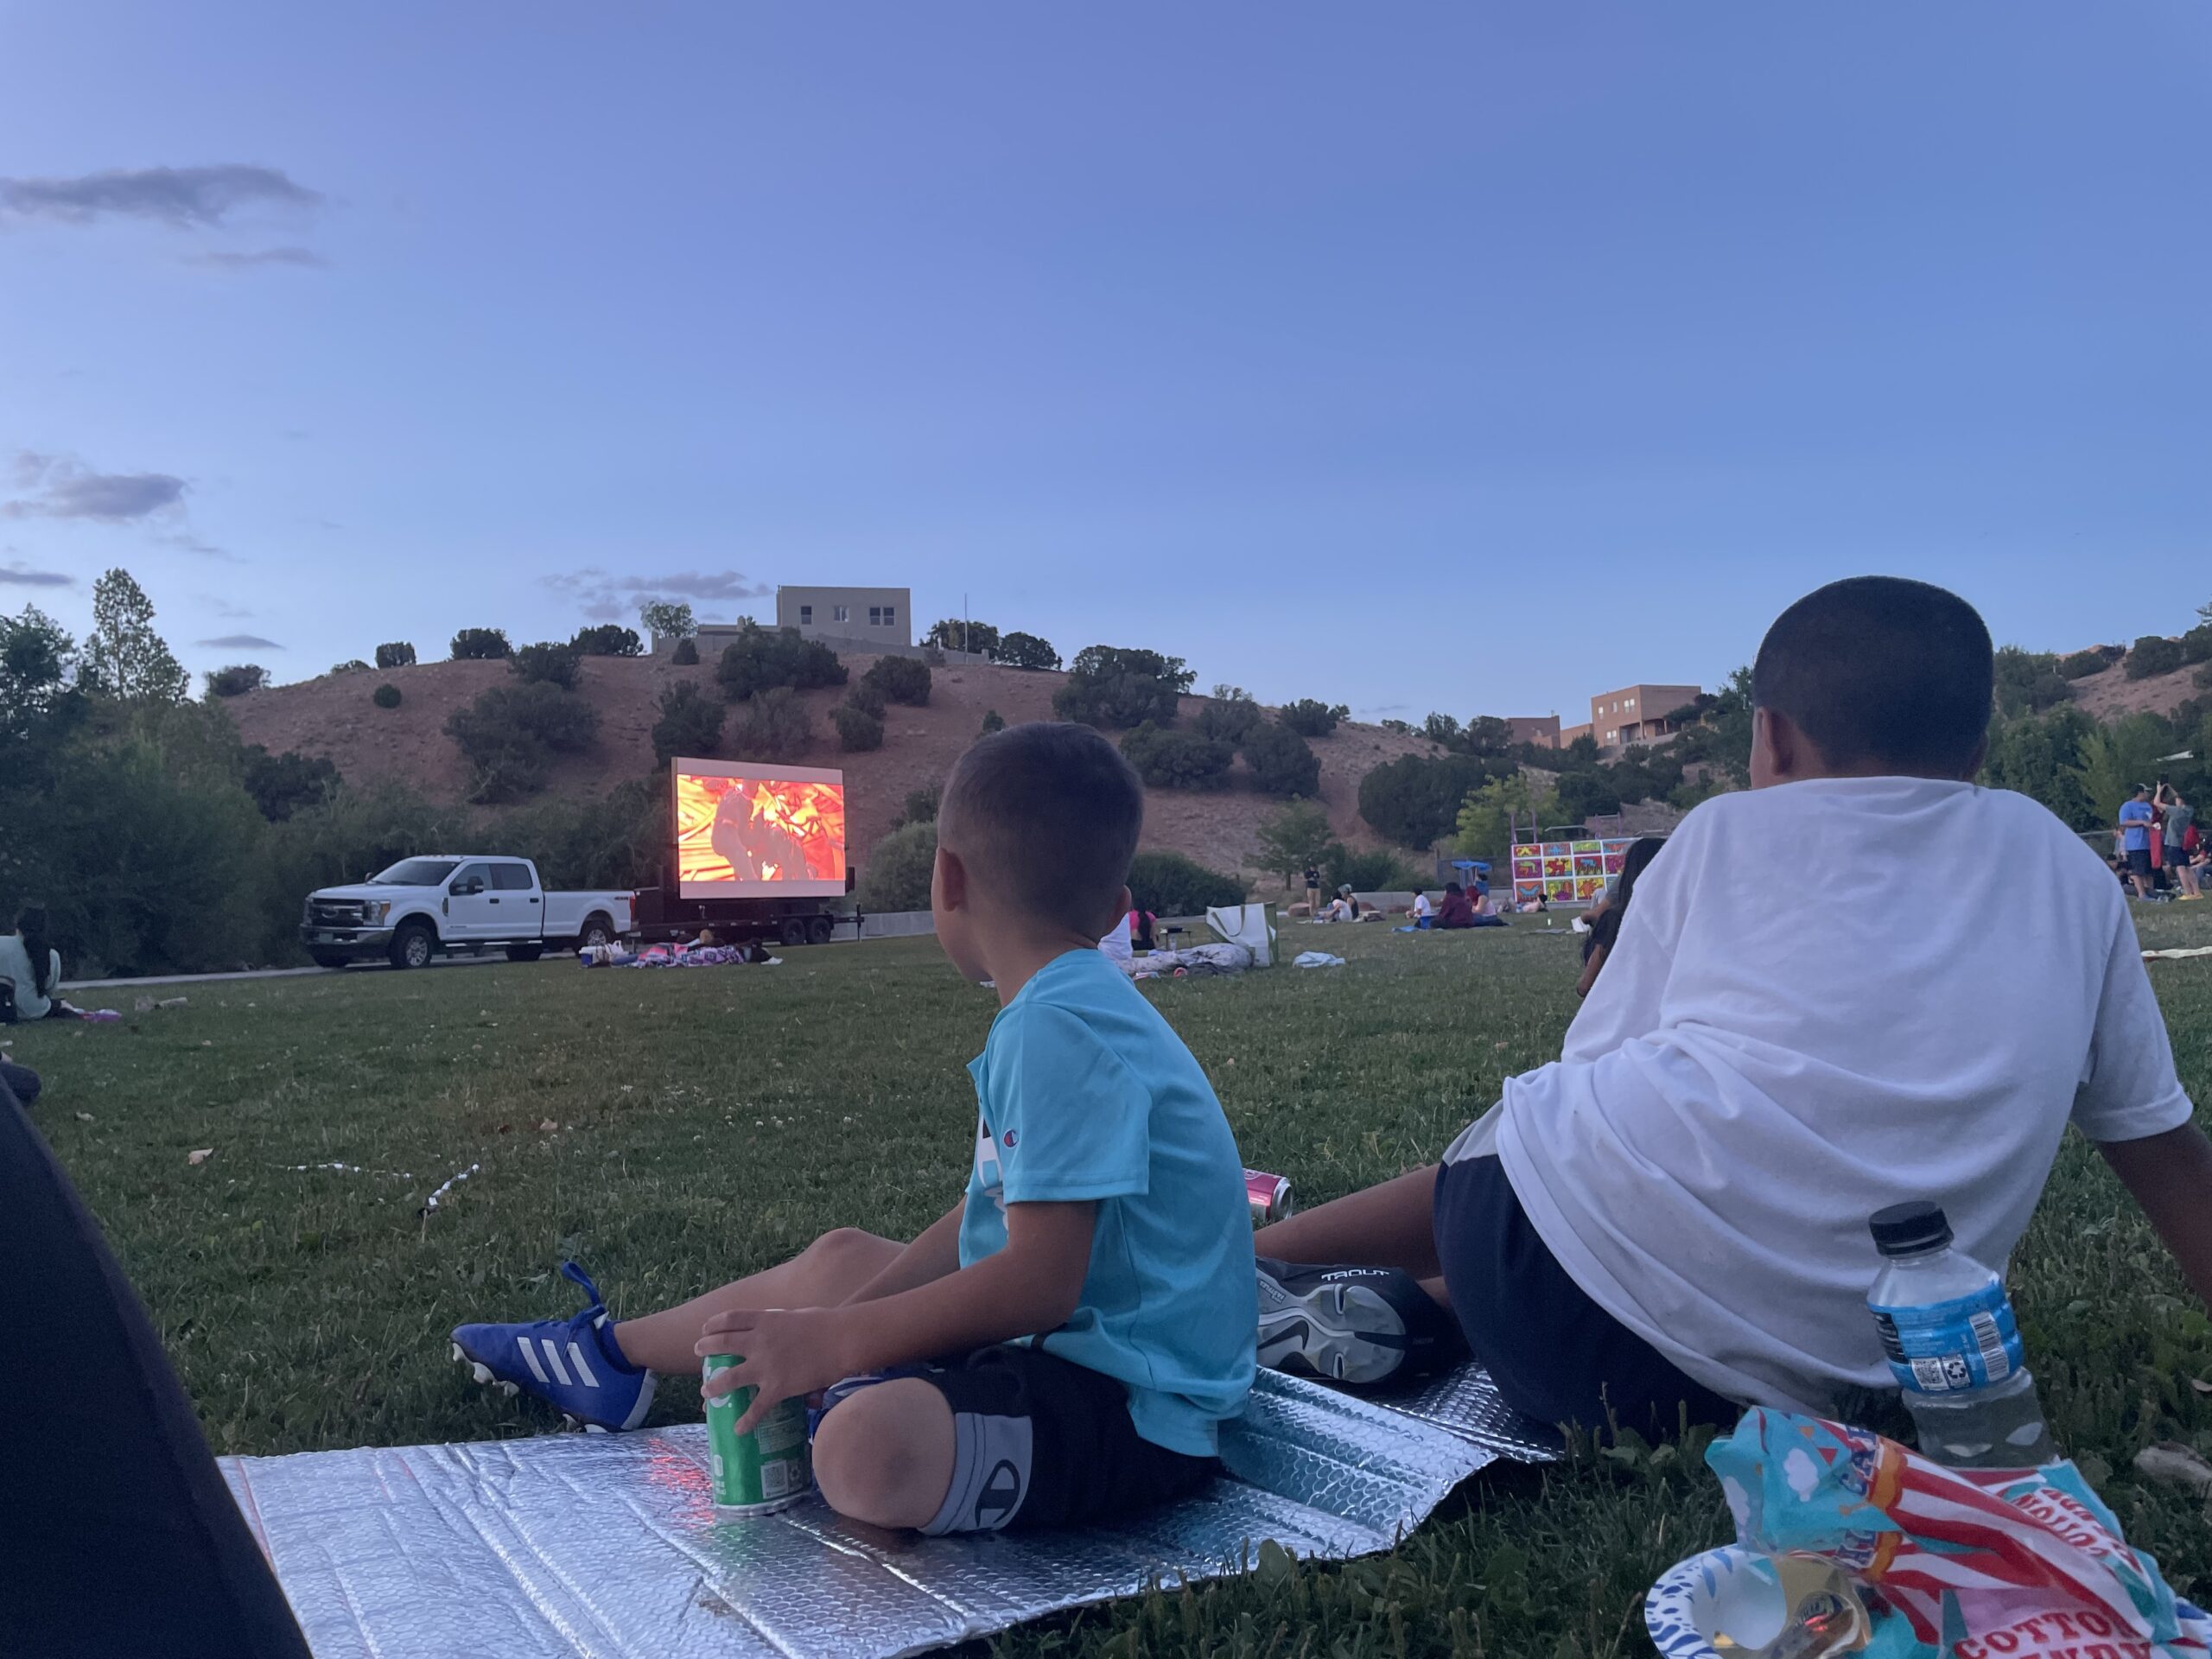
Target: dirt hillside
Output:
[{"x": 333, "y": 716}]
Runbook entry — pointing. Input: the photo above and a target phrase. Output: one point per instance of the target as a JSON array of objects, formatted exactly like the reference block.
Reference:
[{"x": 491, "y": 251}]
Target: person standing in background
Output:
[
  {"x": 1312, "y": 891},
  {"x": 2180, "y": 819},
  {"x": 2135, "y": 818}
]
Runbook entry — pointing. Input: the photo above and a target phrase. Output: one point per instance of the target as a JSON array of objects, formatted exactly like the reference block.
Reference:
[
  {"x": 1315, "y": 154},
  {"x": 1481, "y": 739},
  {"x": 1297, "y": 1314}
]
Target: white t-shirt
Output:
[
  {"x": 1420, "y": 905},
  {"x": 1829, "y": 997},
  {"x": 15, "y": 968}
]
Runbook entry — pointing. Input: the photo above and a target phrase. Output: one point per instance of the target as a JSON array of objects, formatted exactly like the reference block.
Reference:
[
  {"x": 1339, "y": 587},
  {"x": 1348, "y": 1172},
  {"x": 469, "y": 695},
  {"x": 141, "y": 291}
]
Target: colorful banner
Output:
[{"x": 1566, "y": 872}]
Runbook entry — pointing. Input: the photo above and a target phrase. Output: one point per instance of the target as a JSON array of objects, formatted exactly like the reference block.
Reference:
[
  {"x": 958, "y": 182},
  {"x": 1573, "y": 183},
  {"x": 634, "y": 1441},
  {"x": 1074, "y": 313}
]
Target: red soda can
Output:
[{"x": 1270, "y": 1196}]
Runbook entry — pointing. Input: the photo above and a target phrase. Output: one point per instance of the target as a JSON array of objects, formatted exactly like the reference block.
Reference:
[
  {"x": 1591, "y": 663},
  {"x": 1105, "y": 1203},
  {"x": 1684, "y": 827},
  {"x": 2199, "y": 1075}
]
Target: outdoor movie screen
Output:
[{"x": 758, "y": 831}]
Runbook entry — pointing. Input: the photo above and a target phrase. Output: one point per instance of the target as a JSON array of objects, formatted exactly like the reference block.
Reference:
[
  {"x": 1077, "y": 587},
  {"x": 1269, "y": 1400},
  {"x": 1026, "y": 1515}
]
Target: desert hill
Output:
[{"x": 333, "y": 716}]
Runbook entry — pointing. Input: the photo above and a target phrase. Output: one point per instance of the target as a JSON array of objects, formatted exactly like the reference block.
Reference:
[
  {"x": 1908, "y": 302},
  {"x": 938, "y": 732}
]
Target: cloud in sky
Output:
[
  {"x": 17, "y": 573},
  {"x": 182, "y": 197},
  {"x": 609, "y": 597},
  {"x": 255, "y": 257},
  {"x": 224, "y": 608},
  {"x": 67, "y": 489},
  {"x": 188, "y": 543},
  {"x": 241, "y": 642}
]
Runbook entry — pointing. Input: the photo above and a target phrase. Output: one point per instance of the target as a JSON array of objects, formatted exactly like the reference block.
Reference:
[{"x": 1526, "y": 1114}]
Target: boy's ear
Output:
[
  {"x": 1779, "y": 752},
  {"x": 951, "y": 879}
]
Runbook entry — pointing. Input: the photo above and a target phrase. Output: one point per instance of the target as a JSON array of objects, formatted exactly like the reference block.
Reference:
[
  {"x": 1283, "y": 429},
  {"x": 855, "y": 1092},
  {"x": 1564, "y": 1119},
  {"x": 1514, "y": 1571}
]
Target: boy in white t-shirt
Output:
[{"x": 1674, "y": 1214}]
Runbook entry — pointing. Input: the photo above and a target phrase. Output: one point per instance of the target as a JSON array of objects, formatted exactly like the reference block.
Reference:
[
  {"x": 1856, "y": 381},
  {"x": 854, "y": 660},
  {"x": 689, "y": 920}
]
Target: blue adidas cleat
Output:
[{"x": 571, "y": 1364}]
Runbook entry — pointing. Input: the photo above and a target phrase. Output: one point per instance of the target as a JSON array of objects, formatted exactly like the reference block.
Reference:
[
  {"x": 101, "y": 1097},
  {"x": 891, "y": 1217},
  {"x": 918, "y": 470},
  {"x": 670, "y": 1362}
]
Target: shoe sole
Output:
[
  {"x": 1338, "y": 1332},
  {"x": 481, "y": 1373}
]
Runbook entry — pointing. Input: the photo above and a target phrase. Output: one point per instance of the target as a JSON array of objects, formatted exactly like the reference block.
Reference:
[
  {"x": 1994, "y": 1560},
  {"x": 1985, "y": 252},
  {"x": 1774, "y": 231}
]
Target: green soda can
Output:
[{"x": 765, "y": 1470}]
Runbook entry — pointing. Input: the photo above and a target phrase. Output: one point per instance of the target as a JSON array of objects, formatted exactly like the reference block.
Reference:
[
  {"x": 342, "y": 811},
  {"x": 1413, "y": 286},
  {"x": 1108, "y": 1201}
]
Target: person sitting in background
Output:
[
  {"x": 1607, "y": 915},
  {"x": 1143, "y": 926},
  {"x": 30, "y": 972},
  {"x": 1485, "y": 914},
  {"x": 1423, "y": 909},
  {"x": 1457, "y": 909},
  {"x": 1344, "y": 907}
]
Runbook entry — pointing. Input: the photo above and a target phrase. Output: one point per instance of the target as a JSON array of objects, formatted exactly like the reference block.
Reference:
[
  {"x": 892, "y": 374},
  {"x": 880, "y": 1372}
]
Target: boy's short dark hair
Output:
[
  {"x": 1881, "y": 671},
  {"x": 1046, "y": 816}
]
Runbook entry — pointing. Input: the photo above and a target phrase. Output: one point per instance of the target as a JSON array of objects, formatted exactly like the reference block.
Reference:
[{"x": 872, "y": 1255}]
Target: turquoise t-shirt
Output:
[{"x": 1086, "y": 1093}]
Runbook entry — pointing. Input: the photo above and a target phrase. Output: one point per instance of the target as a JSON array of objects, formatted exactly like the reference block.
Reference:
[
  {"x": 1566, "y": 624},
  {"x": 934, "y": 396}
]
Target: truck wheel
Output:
[
  {"x": 324, "y": 959},
  {"x": 819, "y": 930},
  {"x": 524, "y": 953},
  {"x": 598, "y": 930},
  {"x": 413, "y": 946},
  {"x": 794, "y": 930}
]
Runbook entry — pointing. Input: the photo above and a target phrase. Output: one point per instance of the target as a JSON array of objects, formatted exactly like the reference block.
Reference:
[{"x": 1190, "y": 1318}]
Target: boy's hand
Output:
[{"x": 788, "y": 1353}]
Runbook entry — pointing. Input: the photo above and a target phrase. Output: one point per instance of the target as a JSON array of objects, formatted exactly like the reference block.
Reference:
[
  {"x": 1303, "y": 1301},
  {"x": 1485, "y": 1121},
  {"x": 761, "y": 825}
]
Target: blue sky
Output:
[{"x": 1323, "y": 345}]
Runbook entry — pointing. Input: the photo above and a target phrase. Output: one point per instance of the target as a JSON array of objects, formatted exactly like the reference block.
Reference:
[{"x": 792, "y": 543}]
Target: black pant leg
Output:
[{"x": 117, "y": 1534}]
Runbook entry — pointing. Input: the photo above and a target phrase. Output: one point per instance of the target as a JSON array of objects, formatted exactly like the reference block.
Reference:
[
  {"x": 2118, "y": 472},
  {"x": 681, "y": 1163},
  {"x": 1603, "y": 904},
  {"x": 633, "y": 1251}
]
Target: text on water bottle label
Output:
[{"x": 1943, "y": 1347}]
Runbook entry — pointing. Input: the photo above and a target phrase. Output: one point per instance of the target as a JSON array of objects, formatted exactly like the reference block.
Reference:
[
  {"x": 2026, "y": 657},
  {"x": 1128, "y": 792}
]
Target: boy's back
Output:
[
  {"x": 1829, "y": 996},
  {"x": 1087, "y": 1095}
]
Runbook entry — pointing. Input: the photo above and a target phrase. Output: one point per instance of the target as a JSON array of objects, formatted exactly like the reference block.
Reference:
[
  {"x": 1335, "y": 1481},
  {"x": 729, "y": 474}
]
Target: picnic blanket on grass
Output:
[{"x": 565, "y": 1545}]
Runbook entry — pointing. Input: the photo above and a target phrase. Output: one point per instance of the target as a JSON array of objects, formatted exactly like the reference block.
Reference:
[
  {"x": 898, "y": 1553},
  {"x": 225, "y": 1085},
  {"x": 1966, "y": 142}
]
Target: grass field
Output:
[{"x": 673, "y": 1130}]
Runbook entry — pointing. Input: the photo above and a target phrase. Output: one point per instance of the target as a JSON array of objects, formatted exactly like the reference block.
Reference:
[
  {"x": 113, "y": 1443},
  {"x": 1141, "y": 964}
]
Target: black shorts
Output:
[
  {"x": 2139, "y": 860},
  {"x": 1555, "y": 1355},
  {"x": 1039, "y": 1441}
]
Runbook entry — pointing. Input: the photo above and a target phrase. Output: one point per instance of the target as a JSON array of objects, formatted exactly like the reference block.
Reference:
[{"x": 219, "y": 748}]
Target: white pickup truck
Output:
[{"x": 456, "y": 903}]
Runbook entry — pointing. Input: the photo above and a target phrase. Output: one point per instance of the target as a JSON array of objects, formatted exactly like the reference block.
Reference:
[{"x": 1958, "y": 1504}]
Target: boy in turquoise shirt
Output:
[{"x": 1063, "y": 1344}]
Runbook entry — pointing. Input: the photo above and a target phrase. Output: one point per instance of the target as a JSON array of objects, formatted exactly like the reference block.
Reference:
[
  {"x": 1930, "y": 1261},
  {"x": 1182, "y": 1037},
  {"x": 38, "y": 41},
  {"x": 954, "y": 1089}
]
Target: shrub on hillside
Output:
[
  {"x": 1283, "y": 762},
  {"x": 511, "y": 733},
  {"x": 1311, "y": 719},
  {"x": 859, "y": 728},
  {"x": 776, "y": 726},
  {"x": 761, "y": 659},
  {"x": 900, "y": 679},
  {"x": 2196, "y": 644},
  {"x": 1229, "y": 718},
  {"x": 1169, "y": 760},
  {"x": 350, "y": 665},
  {"x": 955, "y": 633},
  {"x": 1585, "y": 795},
  {"x": 896, "y": 873},
  {"x": 1380, "y": 871},
  {"x": 1019, "y": 650},
  {"x": 237, "y": 680},
  {"x": 480, "y": 644},
  {"x": 992, "y": 721},
  {"x": 1168, "y": 884},
  {"x": 386, "y": 696},
  {"x": 1114, "y": 687},
  {"x": 548, "y": 663},
  {"x": 687, "y": 653},
  {"x": 2153, "y": 654},
  {"x": 690, "y": 721},
  {"x": 2094, "y": 660},
  {"x": 1415, "y": 800},
  {"x": 608, "y": 640},
  {"x": 2028, "y": 681},
  {"x": 398, "y": 654},
  {"x": 282, "y": 784},
  {"x": 920, "y": 804}
]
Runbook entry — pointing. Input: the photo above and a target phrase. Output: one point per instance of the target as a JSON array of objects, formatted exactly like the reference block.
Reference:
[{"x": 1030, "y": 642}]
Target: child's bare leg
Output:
[
  {"x": 822, "y": 1275},
  {"x": 1392, "y": 1225},
  {"x": 885, "y": 1455}
]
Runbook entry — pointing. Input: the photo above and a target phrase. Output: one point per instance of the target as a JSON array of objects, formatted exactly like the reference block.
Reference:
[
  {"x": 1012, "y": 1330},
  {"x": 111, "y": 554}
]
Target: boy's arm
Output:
[
  {"x": 2170, "y": 1175},
  {"x": 1033, "y": 1284},
  {"x": 934, "y": 1253}
]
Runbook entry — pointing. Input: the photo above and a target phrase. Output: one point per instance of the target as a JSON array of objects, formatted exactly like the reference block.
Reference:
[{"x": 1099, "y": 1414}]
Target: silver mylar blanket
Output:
[{"x": 606, "y": 1545}]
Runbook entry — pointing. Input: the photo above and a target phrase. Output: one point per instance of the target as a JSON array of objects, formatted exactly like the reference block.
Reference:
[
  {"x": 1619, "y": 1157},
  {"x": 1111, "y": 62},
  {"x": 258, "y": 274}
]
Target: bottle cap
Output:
[{"x": 1910, "y": 1228}]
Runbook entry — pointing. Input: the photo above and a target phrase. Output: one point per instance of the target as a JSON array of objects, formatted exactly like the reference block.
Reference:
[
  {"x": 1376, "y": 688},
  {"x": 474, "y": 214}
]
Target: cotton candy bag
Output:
[{"x": 2019, "y": 1564}]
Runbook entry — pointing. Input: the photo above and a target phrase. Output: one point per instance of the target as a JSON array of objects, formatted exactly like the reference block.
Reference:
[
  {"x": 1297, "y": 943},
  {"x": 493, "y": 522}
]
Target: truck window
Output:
[
  {"x": 478, "y": 872},
  {"x": 416, "y": 872},
  {"x": 511, "y": 878}
]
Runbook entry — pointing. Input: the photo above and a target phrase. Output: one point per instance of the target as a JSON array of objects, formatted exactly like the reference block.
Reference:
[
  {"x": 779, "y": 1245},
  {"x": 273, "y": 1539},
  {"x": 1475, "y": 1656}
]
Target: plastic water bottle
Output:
[{"x": 1954, "y": 1346}]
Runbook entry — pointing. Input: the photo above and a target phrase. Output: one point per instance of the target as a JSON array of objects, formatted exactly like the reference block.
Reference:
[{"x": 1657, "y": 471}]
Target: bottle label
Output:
[{"x": 1944, "y": 1347}]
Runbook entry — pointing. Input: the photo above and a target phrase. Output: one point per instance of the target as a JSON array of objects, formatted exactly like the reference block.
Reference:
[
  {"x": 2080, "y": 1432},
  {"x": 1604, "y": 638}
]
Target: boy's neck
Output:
[{"x": 1014, "y": 954}]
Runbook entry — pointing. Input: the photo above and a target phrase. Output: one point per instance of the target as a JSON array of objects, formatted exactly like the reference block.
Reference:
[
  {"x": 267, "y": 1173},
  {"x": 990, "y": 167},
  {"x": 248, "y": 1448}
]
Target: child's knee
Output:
[{"x": 885, "y": 1455}]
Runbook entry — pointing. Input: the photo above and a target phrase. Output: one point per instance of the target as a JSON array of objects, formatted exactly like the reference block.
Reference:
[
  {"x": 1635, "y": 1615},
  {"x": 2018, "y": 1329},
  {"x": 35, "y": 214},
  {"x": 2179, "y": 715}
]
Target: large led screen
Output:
[{"x": 758, "y": 831}]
